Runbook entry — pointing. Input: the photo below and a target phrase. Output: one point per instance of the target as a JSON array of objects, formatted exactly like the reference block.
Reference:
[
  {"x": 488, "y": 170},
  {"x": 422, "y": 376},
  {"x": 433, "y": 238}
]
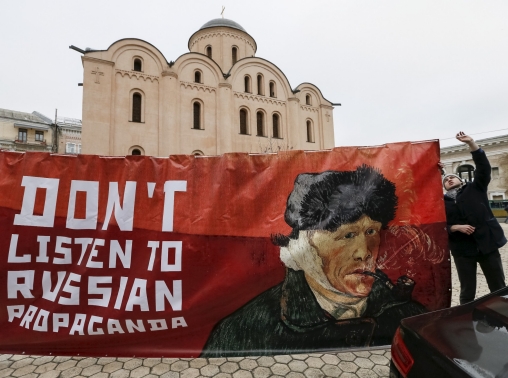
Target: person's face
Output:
[
  {"x": 347, "y": 252},
  {"x": 452, "y": 182}
]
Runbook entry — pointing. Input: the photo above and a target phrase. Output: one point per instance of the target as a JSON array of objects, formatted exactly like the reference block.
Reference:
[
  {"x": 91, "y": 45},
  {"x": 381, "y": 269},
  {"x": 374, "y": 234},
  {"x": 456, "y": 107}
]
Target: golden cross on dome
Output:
[{"x": 222, "y": 13}]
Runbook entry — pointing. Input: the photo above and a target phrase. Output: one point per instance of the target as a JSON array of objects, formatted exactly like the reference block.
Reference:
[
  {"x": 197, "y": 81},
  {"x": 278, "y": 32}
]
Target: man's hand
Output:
[
  {"x": 461, "y": 136},
  {"x": 464, "y": 228},
  {"x": 441, "y": 167}
]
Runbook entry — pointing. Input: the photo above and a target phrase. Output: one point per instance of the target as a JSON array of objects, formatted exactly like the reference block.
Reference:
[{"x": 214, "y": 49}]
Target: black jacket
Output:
[
  {"x": 287, "y": 319},
  {"x": 471, "y": 206}
]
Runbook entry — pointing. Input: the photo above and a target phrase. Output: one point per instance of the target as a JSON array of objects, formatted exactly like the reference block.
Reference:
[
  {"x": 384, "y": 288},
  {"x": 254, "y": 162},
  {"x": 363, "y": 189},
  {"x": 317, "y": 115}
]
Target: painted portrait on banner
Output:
[
  {"x": 233, "y": 255},
  {"x": 334, "y": 294}
]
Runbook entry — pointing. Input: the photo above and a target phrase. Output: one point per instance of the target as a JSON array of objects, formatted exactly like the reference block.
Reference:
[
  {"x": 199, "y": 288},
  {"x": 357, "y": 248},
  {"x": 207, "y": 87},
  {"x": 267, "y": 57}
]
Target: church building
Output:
[{"x": 217, "y": 98}]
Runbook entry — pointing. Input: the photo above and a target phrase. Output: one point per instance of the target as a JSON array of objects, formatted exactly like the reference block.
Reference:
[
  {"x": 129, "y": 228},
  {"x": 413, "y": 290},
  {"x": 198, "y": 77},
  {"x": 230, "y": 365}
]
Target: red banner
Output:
[{"x": 219, "y": 256}]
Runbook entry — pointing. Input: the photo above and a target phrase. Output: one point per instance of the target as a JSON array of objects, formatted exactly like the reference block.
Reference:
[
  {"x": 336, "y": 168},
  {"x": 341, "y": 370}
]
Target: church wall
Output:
[
  {"x": 124, "y": 60},
  {"x": 203, "y": 139},
  {"x": 97, "y": 106},
  {"x": 127, "y": 133}
]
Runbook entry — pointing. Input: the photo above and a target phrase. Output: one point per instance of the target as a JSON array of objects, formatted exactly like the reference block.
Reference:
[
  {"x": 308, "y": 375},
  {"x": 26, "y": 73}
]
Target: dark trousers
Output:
[{"x": 492, "y": 268}]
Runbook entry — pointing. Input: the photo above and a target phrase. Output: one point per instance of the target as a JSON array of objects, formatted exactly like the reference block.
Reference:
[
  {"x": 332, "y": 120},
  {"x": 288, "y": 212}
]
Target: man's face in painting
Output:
[{"x": 347, "y": 252}]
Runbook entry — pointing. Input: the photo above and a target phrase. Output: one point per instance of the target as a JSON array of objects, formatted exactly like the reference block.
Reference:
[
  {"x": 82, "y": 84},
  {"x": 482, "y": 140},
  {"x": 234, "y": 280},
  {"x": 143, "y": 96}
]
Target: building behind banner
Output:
[{"x": 217, "y": 98}]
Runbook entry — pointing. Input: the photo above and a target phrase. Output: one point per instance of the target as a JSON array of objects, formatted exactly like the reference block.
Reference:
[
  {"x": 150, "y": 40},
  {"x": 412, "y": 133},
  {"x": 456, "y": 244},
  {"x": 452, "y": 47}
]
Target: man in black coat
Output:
[
  {"x": 474, "y": 234},
  {"x": 333, "y": 296}
]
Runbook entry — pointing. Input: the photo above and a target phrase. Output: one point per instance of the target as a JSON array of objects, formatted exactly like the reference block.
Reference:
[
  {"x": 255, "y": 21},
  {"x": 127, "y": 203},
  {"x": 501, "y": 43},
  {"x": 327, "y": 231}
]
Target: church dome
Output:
[{"x": 217, "y": 22}]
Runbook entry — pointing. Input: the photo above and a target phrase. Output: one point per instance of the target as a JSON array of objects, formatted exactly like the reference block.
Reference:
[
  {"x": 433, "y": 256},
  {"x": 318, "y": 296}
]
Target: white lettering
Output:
[
  {"x": 177, "y": 266},
  {"x": 158, "y": 324},
  {"x": 105, "y": 292},
  {"x": 12, "y": 258},
  {"x": 41, "y": 322},
  {"x": 43, "y": 249},
  {"x": 78, "y": 325},
  {"x": 59, "y": 321},
  {"x": 15, "y": 311},
  {"x": 136, "y": 299},
  {"x": 72, "y": 290},
  {"x": 95, "y": 319},
  {"x": 29, "y": 316},
  {"x": 65, "y": 252},
  {"x": 91, "y": 188},
  {"x": 26, "y": 217},
  {"x": 116, "y": 251},
  {"x": 162, "y": 292},
  {"x": 124, "y": 215},
  {"x": 170, "y": 187},
  {"x": 47, "y": 293},
  {"x": 114, "y": 326},
  {"x": 178, "y": 322},
  {"x": 13, "y": 285},
  {"x": 93, "y": 253},
  {"x": 131, "y": 326}
]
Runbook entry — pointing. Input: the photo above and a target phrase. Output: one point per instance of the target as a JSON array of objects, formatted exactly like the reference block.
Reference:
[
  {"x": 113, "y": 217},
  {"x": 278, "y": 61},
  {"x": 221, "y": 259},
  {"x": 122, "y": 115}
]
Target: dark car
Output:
[{"x": 464, "y": 341}]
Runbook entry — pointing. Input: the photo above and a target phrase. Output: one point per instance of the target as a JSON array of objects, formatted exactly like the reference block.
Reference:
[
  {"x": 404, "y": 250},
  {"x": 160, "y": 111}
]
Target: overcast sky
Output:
[{"x": 402, "y": 70}]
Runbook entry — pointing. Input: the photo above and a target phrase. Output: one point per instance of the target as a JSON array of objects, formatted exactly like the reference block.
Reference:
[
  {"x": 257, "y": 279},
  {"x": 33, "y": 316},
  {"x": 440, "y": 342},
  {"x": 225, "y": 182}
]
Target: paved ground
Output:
[{"x": 372, "y": 363}]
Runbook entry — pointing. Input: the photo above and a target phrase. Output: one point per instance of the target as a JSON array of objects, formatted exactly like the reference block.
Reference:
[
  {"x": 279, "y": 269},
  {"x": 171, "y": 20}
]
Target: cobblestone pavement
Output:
[{"x": 363, "y": 364}]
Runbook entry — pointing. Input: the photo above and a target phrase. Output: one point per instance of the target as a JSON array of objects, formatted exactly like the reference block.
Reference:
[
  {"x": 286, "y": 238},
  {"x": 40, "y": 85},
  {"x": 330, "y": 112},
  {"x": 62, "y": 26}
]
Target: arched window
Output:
[
  {"x": 196, "y": 108},
  {"x": 136, "y": 152},
  {"x": 260, "y": 85},
  {"x": 260, "y": 122},
  {"x": 308, "y": 100},
  {"x": 234, "y": 54},
  {"x": 272, "y": 89},
  {"x": 310, "y": 132},
  {"x": 243, "y": 122},
  {"x": 247, "y": 83},
  {"x": 137, "y": 65},
  {"x": 136, "y": 107},
  {"x": 466, "y": 172},
  {"x": 198, "y": 153},
  {"x": 276, "y": 126},
  {"x": 209, "y": 51},
  {"x": 197, "y": 77}
]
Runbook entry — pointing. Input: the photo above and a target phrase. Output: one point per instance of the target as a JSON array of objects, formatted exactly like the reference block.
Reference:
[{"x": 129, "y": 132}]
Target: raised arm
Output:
[{"x": 483, "y": 170}]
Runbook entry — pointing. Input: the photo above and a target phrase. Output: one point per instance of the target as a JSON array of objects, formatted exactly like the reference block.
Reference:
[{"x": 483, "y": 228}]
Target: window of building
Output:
[
  {"x": 198, "y": 153},
  {"x": 243, "y": 122},
  {"x": 79, "y": 148},
  {"x": 260, "y": 85},
  {"x": 209, "y": 51},
  {"x": 234, "y": 54},
  {"x": 308, "y": 100},
  {"x": 39, "y": 136},
  {"x": 136, "y": 107},
  {"x": 247, "y": 84},
  {"x": 276, "y": 126},
  {"x": 70, "y": 148},
  {"x": 310, "y": 132},
  {"x": 138, "y": 65},
  {"x": 495, "y": 172},
  {"x": 272, "y": 89},
  {"x": 197, "y": 77},
  {"x": 196, "y": 108},
  {"x": 22, "y": 133},
  {"x": 136, "y": 152},
  {"x": 466, "y": 172},
  {"x": 260, "y": 122}
]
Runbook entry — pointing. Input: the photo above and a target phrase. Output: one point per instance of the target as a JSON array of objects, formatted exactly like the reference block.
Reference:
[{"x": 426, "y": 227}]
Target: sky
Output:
[{"x": 402, "y": 70}]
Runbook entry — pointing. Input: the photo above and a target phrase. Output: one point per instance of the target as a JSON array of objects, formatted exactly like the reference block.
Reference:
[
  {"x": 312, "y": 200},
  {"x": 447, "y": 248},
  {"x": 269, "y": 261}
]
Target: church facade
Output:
[{"x": 217, "y": 98}]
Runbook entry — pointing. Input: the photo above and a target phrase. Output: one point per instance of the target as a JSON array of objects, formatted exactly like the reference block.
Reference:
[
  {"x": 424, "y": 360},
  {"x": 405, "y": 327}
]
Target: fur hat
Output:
[
  {"x": 327, "y": 200},
  {"x": 448, "y": 175}
]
